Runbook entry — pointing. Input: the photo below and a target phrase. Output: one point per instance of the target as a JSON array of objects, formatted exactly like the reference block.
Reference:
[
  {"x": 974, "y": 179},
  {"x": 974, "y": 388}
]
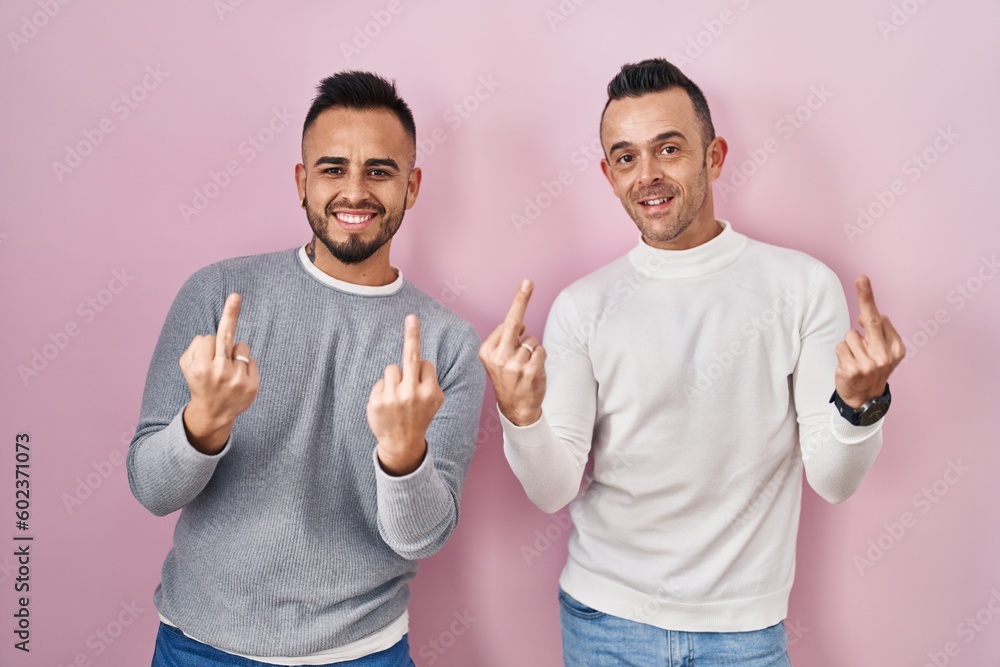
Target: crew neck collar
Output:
[
  {"x": 351, "y": 288},
  {"x": 713, "y": 255}
]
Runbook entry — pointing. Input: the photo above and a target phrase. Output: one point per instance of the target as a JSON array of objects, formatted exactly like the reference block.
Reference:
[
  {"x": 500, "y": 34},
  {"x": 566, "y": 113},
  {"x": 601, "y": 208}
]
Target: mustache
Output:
[
  {"x": 661, "y": 192},
  {"x": 364, "y": 204}
]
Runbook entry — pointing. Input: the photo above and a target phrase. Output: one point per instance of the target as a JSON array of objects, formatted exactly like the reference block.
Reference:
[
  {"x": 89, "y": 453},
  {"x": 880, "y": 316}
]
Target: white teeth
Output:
[
  {"x": 654, "y": 202},
  {"x": 352, "y": 219}
]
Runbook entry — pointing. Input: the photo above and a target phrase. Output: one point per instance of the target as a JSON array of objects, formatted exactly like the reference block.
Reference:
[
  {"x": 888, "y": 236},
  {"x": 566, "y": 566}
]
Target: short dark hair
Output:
[
  {"x": 656, "y": 75},
  {"x": 360, "y": 90}
]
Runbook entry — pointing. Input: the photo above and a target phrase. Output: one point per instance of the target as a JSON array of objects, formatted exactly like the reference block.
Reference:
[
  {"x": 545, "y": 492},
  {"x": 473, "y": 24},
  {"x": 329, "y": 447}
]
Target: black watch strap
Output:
[{"x": 867, "y": 414}]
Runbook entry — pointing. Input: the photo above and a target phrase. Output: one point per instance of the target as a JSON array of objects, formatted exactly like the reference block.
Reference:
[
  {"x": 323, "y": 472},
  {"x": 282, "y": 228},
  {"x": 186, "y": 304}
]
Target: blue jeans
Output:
[
  {"x": 175, "y": 649},
  {"x": 593, "y": 638}
]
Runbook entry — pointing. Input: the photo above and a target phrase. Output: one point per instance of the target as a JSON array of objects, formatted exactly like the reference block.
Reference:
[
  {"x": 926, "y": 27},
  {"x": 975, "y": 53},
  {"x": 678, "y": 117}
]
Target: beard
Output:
[
  {"x": 354, "y": 250},
  {"x": 678, "y": 220}
]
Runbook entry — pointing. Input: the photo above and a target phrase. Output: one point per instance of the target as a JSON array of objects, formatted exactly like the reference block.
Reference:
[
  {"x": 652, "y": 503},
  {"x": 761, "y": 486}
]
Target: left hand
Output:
[
  {"x": 865, "y": 362},
  {"x": 403, "y": 404}
]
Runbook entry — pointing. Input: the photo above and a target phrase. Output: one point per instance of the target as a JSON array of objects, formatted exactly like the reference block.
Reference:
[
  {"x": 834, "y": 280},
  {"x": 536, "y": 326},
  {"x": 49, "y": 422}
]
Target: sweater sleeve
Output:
[
  {"x": 418, "y": 512},
  {"x": 165, "y": 471},
  {"x": 836, "y": 454},
  {"x": 549, "y": 456}
]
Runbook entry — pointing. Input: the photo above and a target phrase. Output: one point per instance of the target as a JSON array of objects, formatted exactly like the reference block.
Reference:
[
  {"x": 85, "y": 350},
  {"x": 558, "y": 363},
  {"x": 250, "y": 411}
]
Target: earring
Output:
[{"x": 303, "y": 202}]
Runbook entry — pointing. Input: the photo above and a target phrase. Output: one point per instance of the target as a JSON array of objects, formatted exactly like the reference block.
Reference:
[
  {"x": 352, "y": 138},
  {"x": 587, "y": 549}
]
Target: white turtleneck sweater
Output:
[{"x": 699, "y": 382}]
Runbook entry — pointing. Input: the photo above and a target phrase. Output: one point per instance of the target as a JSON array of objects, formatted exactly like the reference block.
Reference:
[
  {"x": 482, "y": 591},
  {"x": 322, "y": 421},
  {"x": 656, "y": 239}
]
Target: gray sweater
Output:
[{"x": 292, "y": 540}]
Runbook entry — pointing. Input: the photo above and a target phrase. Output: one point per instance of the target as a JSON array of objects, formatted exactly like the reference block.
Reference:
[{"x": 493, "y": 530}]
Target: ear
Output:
[
  {"x": 715, "y": 156},
  {"x": 413, "y": 186},
  {"x": 300, "y": 180},
  {"x": 606, "y": 170}
]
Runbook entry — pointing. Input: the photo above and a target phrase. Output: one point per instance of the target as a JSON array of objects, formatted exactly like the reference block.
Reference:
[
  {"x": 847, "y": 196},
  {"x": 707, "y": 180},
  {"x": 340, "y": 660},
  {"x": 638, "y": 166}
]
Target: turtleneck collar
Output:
[{"x": 711, "y": 256}]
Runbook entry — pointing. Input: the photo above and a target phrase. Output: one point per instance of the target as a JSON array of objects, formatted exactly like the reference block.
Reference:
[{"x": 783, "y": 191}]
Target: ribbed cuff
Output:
[
  {"x": 847, "y": 433},
  {"x": 532, "y": 436}
]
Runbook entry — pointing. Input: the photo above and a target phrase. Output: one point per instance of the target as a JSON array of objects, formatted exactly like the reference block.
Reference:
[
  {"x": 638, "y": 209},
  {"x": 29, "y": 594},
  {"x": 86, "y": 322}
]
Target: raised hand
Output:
[
  {"x": 403, "y": 404},
  {"x": 516, "y": 367},
  {"x": 223, "y": 380},
  {"x": 865, "y": 362}
]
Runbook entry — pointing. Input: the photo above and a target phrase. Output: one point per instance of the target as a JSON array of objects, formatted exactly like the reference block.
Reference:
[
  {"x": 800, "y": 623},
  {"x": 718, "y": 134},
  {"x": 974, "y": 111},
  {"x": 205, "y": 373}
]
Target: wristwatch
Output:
[{"x": 867, "y": 414}]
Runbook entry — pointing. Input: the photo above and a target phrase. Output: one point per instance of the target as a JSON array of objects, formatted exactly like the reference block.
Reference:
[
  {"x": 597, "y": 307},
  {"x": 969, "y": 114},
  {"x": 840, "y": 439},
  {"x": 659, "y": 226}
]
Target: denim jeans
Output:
[
  {"x": 593, "y": 638},
  {"x": 175, "y": 649}
]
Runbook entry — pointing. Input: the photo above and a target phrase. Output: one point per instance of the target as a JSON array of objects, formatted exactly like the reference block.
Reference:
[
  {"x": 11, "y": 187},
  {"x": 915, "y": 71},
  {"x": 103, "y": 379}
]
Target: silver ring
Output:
[
  {"x": 529, "y": 348},
  {"x": 240, "y": 357}
]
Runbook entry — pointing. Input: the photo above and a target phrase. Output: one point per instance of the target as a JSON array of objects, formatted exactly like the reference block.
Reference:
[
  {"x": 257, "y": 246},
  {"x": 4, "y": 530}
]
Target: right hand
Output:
[
  {"x": 518, "y": 374},
  {"x": 221, "y": 385}
]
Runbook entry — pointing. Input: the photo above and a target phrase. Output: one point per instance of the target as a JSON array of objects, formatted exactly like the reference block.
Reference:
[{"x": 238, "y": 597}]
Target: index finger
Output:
[
  {"x": 866, "y": 301},
  {"x": 515, "y": 316},
  {"x": 411, "y": 348},
  {"x": 226, "y": 334}
]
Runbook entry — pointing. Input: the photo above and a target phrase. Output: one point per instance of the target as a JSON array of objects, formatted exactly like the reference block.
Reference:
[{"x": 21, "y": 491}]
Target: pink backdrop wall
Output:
[{"x": 887, "y": 106}]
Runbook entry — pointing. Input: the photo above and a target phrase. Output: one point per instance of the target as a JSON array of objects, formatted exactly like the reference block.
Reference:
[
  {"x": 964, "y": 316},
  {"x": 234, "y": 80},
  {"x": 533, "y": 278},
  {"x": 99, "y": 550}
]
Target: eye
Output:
[
  {"x": 669, "y": 150},
  {"x": 378, "y": 172},
  {"x": 333, "y": 170},
  {"x": 624, "y": 159}
]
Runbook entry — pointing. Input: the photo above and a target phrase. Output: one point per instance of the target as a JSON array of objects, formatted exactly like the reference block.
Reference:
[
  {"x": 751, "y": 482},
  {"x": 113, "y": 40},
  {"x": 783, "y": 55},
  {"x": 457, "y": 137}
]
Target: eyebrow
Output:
[
  {"x": 372, "y": 162},
  {"x": 663, "y": 136}
]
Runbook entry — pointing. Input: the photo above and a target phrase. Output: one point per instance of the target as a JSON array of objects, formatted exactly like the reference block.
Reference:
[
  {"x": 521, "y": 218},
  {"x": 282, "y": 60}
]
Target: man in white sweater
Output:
[{"x": 696, "y": 372}]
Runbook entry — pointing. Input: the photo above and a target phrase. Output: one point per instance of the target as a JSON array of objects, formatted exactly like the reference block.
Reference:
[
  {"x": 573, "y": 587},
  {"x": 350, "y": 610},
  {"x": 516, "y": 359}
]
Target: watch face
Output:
[{"x": 872, "y": 414}]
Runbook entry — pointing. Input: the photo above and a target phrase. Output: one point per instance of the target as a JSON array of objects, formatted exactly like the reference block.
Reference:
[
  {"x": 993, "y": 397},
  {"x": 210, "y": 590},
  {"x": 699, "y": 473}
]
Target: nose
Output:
[
  {"x": 649, "y": 170},
  {"x": 355, "y": 188}
]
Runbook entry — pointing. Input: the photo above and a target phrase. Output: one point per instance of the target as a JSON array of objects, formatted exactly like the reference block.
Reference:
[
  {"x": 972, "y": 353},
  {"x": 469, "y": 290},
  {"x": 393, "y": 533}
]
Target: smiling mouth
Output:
[
  {"x": 659, "y": 201},
  {"x": 353, "y": 218}
]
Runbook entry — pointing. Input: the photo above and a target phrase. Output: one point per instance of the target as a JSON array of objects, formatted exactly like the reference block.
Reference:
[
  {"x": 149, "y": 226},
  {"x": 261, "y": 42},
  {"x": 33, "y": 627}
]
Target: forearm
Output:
[
  {"x": 165, "y": 471},
  {"x": 417, "y": 512},
  {"x": 549, "y": 469},
  {"x": 838, "y": 455}
]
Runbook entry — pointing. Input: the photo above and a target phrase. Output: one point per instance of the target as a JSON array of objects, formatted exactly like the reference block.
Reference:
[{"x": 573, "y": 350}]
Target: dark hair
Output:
[
  {"x": 360, "y": 90},
  {"x": 656, "y": 75}
]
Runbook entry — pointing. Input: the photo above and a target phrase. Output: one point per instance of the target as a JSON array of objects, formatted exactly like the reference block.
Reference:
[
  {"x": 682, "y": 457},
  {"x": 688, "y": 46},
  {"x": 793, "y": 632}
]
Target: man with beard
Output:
[
  {"x": 315, "y": 460},
  {"x": 696, "y": 372}
]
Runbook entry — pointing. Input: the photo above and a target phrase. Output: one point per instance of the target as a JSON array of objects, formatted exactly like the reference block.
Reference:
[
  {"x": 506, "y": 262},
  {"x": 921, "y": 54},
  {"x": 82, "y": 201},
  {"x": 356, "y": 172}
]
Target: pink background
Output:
[{"x": 886, "y": 96}]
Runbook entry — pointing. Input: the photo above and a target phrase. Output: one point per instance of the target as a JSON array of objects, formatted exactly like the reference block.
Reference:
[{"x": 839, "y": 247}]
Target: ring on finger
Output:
[
  {"x": 243, "y": 358},
  {"x": 529, "y": 348}
]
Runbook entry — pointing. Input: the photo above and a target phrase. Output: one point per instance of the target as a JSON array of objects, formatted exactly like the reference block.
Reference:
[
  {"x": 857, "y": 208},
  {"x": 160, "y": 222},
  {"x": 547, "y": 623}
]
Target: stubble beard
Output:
[
  {"x": 354, "y": 250},
  {"x": 683, "y": 217}
]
